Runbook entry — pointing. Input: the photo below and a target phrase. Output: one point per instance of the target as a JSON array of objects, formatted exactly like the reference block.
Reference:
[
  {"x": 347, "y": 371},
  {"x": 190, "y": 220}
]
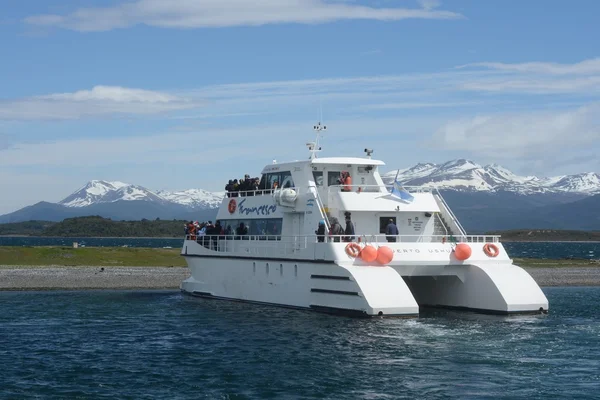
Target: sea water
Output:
[
  {"x": 166, "y": 345},
  {"x": 551, "y": 250}
]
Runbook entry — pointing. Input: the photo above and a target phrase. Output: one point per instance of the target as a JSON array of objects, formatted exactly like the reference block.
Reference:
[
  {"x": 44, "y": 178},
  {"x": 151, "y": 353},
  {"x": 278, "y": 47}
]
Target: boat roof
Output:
[
  {"x": 347, "y": 160},
  {"x": 327, "y": 160}
]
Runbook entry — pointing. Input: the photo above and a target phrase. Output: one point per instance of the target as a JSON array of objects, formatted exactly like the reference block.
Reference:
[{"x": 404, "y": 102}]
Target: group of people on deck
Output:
[
  {"x": 337, "y": 233},
  {"x": 244, "y": 187}
]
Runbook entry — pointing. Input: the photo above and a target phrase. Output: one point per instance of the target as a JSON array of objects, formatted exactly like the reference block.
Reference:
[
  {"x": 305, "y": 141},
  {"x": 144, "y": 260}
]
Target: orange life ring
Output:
[
  {"x": 353, "y": 249},
  {"x": 491, "y": 250},
  {"x": 232, "y": 206}
]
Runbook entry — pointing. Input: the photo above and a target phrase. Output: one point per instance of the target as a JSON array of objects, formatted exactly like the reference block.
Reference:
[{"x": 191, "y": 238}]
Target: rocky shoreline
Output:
[
  {"x": 79, "y": 278},
  {"x": 83, "y": 278}
]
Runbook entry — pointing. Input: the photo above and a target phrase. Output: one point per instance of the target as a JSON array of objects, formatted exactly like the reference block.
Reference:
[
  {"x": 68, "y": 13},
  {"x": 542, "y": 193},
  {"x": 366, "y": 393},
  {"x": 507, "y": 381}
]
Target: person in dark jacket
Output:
[
  {"x": 336, "y": 229},
  {"x": 320, "y": 232},
  {"x": 349, "y": 231},
  {"x": 391, "y": 229}
]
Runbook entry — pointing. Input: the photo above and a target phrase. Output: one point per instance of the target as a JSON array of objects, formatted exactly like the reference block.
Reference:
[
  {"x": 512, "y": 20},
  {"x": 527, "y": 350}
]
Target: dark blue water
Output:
[
  {"x": 552, "y": 250},
  {"x": 162, "y": 344}
]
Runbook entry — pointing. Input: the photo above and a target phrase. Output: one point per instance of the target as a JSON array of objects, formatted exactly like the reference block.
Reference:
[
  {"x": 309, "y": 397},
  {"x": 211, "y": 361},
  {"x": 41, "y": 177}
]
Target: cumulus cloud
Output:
[
  {"x": 100, "y": 100},
  {"x": 223, "y": 13},
  {"x": 538, "y": 135}
]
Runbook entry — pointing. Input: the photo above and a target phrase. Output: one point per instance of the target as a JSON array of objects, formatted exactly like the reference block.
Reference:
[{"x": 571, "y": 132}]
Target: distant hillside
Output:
[
  {"x": 119, "y": 210},
  {"x": 484, "y": 211},
  {"x": 28, "y": 228},
  {"x": 96, "y": 226},
  {"x": 547, "y": 235}
]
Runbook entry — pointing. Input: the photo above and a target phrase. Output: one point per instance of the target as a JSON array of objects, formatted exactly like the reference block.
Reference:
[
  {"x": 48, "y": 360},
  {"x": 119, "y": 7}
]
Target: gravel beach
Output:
[
  {"x": 55, "y": 277},
  {"x": 46, "y": 278}
]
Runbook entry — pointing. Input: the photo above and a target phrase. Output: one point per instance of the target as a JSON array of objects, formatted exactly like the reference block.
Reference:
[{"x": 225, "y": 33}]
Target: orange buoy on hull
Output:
[
  {"x": 368, "y": 254},
  {"x": 385, "y": 255},
  {"x": 462, "y": 251}
]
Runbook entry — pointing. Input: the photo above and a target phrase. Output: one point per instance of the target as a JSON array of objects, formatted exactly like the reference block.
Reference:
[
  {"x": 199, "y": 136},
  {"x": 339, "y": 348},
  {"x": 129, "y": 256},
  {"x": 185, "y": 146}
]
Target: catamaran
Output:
[{"x": 271, "y": 252}]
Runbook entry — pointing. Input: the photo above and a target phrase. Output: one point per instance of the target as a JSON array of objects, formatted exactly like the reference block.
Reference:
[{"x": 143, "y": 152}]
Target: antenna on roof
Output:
[{"x": 313, "y": 147}]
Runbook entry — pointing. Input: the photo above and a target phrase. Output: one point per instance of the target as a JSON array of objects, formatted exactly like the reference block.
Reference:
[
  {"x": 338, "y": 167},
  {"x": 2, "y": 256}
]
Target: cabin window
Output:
[
  {"x": 318, "y": 176},
  {"x": 384, "y": 221},
  {"x": 283, "y": 179},
  {"x": 286, "y": 180},
  {"x": 333, "y": 178},
  {"x": 260, "y": 229}
]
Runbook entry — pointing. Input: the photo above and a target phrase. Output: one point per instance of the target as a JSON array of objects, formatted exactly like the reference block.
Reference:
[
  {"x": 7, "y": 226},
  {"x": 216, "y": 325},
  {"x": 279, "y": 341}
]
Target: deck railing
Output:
[{"x": 301, "y": 241}]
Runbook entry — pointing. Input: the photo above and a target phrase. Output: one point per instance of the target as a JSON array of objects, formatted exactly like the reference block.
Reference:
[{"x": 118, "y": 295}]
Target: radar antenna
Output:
[{"x": 313, "y": 147}]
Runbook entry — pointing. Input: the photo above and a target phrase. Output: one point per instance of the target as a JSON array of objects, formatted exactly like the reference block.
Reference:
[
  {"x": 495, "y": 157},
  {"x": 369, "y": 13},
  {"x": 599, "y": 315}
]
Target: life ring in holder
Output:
[
  {"x": 353, "y": 249},
  {"x": 231, "y": 207},
  {"x": 491, "y": 250}
]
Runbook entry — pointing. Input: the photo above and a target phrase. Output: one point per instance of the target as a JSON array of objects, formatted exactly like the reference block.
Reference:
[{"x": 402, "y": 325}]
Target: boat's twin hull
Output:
[{"x": 363, "y": 290}]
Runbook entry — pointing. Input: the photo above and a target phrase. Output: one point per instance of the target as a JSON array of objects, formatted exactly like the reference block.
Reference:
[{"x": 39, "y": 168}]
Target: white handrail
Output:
[
  {"x": 442, "y": 222},
  {"x": 447, "y": 207},
  {"x": 313, "y": 189}
]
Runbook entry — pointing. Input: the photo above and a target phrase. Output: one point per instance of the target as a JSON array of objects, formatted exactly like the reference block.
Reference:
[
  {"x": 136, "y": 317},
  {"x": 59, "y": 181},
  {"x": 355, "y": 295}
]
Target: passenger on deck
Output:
[
  {"x": 241, "y": 231},
  {"x": 320, "y": 232},
  {"x": 346, "y": 181},
  {"x": 391, "y": 229},
  {"x": 336, "y": 230},
  {"x": 349, "y": 231}
]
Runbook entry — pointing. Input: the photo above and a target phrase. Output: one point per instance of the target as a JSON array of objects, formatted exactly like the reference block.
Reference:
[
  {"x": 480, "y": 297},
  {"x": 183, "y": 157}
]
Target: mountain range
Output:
[
  {"x": 465, "y": 175},
  {"x": 484, "y": 198}
]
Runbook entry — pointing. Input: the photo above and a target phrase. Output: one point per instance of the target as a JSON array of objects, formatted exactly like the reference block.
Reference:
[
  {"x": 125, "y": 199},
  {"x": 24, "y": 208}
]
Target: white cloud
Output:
[
  {"x": 530, "y": 135},
  {"x": 100, "y": 100},
  {"x": 367, "y": 93},
  {"x": 535, "y": 77},
  {"x": 223, "y": 13},
  {"x": 429, "y": 4},
  {"x": 591, "y": 66}
]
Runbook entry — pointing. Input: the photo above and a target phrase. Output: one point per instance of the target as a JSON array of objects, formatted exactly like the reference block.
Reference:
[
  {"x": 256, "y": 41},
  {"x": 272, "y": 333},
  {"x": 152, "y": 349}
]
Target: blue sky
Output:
[{"x": 190, "y": 93}]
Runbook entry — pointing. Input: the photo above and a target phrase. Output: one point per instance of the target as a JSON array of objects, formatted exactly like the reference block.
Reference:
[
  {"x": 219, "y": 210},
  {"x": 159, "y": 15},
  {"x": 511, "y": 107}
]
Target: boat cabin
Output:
[{"x": 293, "y": 197}]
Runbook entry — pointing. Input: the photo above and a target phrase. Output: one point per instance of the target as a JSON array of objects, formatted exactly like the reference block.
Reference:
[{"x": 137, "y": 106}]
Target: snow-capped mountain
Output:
[
  {"x": 98, "y": 191},
  {"x": 193, "y": 197},
  {"x": 466, "y": 175}
]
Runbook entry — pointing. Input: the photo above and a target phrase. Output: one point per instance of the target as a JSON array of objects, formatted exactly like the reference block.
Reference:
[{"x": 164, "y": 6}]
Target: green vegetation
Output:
[
  {"x": 148, "y": 257},
  {"x": 28, "y": 228},
  {"x": 95, "y": 226},
  {"x": 91, "y": 256},
  {"x": 547, "y": 235}
]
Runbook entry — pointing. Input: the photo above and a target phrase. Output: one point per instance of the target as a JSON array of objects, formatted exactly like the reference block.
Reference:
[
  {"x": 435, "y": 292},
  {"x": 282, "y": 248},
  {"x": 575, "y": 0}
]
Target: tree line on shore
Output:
[{"x": 95, "y": 226}]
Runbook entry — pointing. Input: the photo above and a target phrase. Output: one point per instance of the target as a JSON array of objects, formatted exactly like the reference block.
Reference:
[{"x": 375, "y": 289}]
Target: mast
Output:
[{"x": 313, "y": 147}]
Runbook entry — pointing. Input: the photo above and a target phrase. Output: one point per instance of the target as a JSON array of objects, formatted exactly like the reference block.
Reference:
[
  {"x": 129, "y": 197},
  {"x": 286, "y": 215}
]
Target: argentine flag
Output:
[{"x": 401, "y": 193}]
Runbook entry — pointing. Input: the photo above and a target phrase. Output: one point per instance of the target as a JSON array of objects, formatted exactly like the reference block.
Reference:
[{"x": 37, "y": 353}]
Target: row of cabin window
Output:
[
  {"x": 332, "y": 178},
  {"x": 270, "y": 226},
  {"x": 283, "y": 179}
]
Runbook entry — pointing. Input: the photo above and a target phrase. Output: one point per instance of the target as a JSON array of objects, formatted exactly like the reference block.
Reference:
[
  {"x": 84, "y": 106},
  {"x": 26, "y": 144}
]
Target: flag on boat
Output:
[{"x": 401, "y": 193}]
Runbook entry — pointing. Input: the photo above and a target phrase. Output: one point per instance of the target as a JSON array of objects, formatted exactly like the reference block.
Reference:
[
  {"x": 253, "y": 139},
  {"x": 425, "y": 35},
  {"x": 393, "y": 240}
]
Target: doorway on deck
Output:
[{"x": 384, "y": 221}]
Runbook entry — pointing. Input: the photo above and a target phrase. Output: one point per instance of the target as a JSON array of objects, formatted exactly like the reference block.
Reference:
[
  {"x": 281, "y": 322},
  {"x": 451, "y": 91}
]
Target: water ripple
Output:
[{"x": 161, "y": 344}]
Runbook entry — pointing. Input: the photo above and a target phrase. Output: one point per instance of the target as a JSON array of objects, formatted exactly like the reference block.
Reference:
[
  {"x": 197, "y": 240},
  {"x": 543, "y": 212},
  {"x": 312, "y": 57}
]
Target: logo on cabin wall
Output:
[
  {"x": 264, "y": 209},
  {"x": 232, "y": 206}
]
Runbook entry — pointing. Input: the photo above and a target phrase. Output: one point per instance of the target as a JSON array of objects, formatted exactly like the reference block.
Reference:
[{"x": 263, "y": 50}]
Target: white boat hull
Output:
[
  {"x": 365, "y": 290},
  {"x": 318, "y": 286}
]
